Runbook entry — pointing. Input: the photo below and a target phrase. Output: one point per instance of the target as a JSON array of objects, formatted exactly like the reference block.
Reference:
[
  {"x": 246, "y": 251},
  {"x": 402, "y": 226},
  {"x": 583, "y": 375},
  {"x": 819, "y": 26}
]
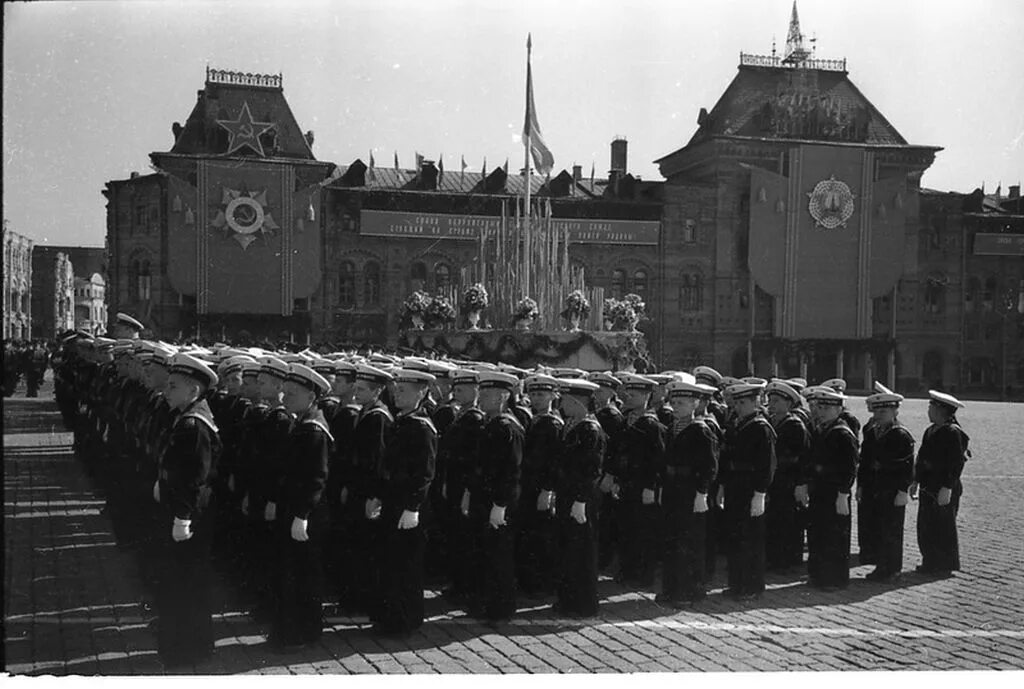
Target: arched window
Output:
[
  {"x": 989, "y": 294},
  {"x": 935, "y": 294},
  {"x": 346, "y": 285},
  {"x": 640, "y": 283},
  {"x": 133, "y": 280},
  {"x": 145, "y": 282},
  {"x": 371, "y": 283},
  {"x": 417, "y": 276},
  {"x": 442, "y": 277},
  {"x": 618, "y": 283},
  {"x": 971, "y": 293},
  {"x": 691, "y": 292}
]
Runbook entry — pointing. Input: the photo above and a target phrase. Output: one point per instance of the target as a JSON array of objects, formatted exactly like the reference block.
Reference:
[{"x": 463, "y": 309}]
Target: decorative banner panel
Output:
[
  {"x": 992, "y": 244},
  {"x": 468, "y": 227}
]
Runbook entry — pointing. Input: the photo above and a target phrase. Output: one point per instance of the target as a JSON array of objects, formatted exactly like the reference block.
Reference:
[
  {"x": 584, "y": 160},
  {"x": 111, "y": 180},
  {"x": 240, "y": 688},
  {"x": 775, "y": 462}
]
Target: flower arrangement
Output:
[
  {"x": 526, "y": 308},
  {"x": 414, "y": 308},
  {"x": 577, "y": 304},
  {"x": 621, "y": 314},
  {"x": 474, "y": 298},
  {"x": 637, "y": 303},
  {"x": 439, "y": 312}
]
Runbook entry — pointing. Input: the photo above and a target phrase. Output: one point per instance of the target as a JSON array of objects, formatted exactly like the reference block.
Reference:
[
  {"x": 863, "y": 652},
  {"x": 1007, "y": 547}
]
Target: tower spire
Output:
[{"x": 795, "y": 51}]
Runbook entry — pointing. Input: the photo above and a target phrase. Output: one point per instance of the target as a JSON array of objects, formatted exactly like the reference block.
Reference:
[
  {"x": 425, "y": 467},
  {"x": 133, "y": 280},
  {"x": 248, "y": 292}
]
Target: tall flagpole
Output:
[{"x": 526, "y": 215}]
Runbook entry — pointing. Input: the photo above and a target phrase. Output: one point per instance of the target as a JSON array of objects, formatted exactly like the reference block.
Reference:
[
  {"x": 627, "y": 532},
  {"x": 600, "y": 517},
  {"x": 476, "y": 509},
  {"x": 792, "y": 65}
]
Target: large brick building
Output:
[
  {"x": 790, "y": 235},
  {"x": 17, "y": 285},
  {"x": 53, "y": 292}
]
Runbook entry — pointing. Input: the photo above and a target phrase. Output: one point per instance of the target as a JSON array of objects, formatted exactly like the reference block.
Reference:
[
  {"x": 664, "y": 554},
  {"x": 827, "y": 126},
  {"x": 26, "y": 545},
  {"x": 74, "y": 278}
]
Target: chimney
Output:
[
  {"x": 577, "y": 173},
  {"x": 428, "y": 175},
  {"x": 619, "y": 155},
  {"x": 1014, "y": 191}
]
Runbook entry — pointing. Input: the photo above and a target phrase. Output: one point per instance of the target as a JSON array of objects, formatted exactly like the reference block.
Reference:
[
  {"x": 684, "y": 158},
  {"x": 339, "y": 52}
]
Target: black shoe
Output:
[{"x": 390, "y": 632}]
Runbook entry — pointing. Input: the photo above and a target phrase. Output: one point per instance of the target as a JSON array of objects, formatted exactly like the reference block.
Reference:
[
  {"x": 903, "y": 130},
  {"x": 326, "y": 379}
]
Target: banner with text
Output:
[
  {"x": 468, "y": 227},
  {"x": 993, "y": 244}
]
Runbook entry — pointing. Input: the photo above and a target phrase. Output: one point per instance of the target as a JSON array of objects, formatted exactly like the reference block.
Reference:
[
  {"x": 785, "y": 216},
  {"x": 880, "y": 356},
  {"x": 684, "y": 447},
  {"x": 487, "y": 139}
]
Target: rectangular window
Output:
[{"x": 690, "y": 231}]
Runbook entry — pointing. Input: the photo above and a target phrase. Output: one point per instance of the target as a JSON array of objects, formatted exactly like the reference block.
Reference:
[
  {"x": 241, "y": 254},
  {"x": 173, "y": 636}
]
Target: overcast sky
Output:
[{"x": 91, "y": 88}]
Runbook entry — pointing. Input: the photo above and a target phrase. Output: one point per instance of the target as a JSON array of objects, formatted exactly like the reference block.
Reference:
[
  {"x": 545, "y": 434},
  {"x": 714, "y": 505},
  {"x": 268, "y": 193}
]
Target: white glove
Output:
[
  {"x": 270, "y": 512},
  {"x": 647, "y": 496},
  {"x": 156, "y": 490},
  {"x": 843, "y": 504},
  {"x": 497, "y": 518},
  {"x": 700, "y": 503},
  {"x": 944, "y": 497},
  {"x": 464, "y": 505},
  {"x": 299, "y": 530},
  {"x": 913, "y": 491},
  {"x": 408, "y": 520},
  {"x": 801, "y": 495},
  {"x": 373, "y": 509},
  {"x": 607, "y": 481},
  {"x": 579, "y": 512},
  {"x": 245, "y": 504},
  {"x": 720, "y": 498},
  {"x": 616, "y": 491},
  {"x": 757, "y": 505},
  {"x": 231, "y": 483},
  {"x": 901, "y": 499},
  {"x": 545, "y": 500},
  {"x": 182, "y": 530},
  {"x": 343, "y": 498}
]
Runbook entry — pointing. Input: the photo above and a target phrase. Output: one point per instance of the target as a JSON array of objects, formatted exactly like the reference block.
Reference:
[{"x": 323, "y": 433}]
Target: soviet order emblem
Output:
[
  {"x": 831, "y": 203},
  {"x": 244, "y": 216}
]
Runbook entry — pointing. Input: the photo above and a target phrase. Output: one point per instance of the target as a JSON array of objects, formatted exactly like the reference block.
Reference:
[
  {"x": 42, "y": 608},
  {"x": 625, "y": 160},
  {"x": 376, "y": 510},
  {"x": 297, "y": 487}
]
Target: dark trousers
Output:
[
  {"x": 683, "y": 572},
  {"x": 713, "y": 542},
  {"x": 746, "y": 539},
  {"x": 784, "y": 525},
  {"x": 463, "y": 547},
  {"x": 298, "y": 617},
  {"x": 399, "y": 577},
  {"x": 496, "y": 573},
  {"x": 828, "y": 540},
  {"x": 936, "y": 531},
  {"x": 535, "y": 546},
  {"x": 868, "y": 523},
  {"x": 888, "y": 522},
  {"x": 183, "y": 595},
  {"x": 609, "y": 509},
  {"x": 638, "y": 538},
  {"x": 577, "y": 582}
]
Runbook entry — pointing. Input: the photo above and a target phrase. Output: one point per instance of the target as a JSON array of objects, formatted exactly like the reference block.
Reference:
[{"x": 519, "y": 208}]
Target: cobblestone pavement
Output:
[{"x": 73, "y": 601}]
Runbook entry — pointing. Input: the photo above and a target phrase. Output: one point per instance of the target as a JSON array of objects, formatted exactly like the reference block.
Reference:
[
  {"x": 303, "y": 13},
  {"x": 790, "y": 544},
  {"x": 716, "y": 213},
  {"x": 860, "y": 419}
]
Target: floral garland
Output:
[{"x": 474, "y": 298}]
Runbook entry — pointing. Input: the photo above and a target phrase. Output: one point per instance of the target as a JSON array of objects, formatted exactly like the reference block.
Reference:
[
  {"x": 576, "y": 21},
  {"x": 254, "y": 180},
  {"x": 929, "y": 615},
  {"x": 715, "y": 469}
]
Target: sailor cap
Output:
[
  {"x": 125, "y": 319},
  {"x": 945, "y": 399},
  {"x": 883, "y": 400},
  {"x": 783, "y": 389},
  {"x": 414, "y": 375},
  {"x": 684, "y": 388},
  {"x": 304, "y": 375},
  {"x": 659, "y": 378},
  {"x": 465, "y": 376},
  {"x": 577, "y": 386},
  {"x": 541, "y": 382},
  {"x": 604, "y": 379},
  {"x": 188, "y": 365},
  {"x": 741, "y": 390},
  {"x": 797, "y": 384},
  {"x": 519, "y": 373},
  {"x": 441, "y": 369},
  {"x": 754, "y": 380},
  {"x": 633, "y": 381},
  {"x": 324, "y": 366},
  {"x": 577, "y": 373},
  {"x": 235, "y": 364},
  {"x": 706, "y": 374},
  {"x": 881, "y": 388},
  {"x": 827, "y": 396},
  {"x": 729, "y": 380},
  {"x": 836, "y": 384},
  {"x": 497, "y": 379},
  {"x": 273, "y": 366},
  {"x": 344, "y": 368},
  {"x": 372, "y": 374}
]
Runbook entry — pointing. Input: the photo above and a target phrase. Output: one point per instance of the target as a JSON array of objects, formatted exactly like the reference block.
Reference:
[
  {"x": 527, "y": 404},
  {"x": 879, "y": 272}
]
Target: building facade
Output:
[
  {"x": 53, "y": 293},
  {"x": 91, "y": 304},
  {"x": 789, "y": 237},
  {"x": 17, "y": 285}
]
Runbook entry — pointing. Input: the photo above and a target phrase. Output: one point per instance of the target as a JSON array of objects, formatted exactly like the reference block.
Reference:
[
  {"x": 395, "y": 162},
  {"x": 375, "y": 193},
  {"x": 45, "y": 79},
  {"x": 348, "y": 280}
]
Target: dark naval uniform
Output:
[
  {"x": 535, "y": 542},
  {"x": 458, "y": 472},
  {"x": 940, "y": 461},
  {"x": 714, "y": 517},
  {"x": 403, "y": 477},
  {"x": 867, "y": 522},
  {"x": 690, "y": 466},
  {"x": 499, "y": 461},
  {"x": 785, "y": 527},
  {"x": 369, "y": 441},
  {"x": 583, "y": 445},
  {"x": 641, "y": 449},
  {"x": 270, "y": 455},
  {"x": 831, "y": 470},
  {"x": 887, "y": 468},
  {"x": 748, "y": 466},
  {"x": 612, "y": 422},
  {"x": 185, "y": 491},
  {"x": 340, "y": 504},
  {"x": 298, "y": 570}
]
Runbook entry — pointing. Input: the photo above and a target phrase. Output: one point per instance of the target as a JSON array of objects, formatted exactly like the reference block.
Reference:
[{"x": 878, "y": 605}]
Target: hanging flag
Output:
[
  {"x": 396, "y": 161},
  {"x": 440, "y": 170},
  {"x": 373, "y": 174},
  {"x": 483, "y": 172},
  {"x": 591, "y": 176},
  {"x": 539, "y": 150},
  {"x": 462, "y": 173},
  {"x": 505, "y": 167}
]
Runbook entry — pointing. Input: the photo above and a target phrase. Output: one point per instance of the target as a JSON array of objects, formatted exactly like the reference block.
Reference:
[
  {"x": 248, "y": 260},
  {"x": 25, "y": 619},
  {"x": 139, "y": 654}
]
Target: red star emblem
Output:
[{"x": 245, "y": 131}]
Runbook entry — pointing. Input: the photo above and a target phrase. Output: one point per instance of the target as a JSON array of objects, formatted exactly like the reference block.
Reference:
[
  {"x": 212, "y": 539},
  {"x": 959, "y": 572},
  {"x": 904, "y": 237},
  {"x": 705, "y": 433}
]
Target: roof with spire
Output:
[
  {"x": 795, "y": 97},
  {"x": 242, "y": 114}
]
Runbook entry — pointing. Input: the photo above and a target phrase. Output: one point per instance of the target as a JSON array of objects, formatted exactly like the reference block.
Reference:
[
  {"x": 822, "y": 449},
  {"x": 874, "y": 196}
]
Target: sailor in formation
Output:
[{"x": 353, "y": 482}]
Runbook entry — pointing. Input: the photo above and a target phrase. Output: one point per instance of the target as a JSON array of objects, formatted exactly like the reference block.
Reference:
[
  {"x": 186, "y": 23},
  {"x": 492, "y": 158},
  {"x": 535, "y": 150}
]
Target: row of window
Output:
[{"x": 140, "y": 281}]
